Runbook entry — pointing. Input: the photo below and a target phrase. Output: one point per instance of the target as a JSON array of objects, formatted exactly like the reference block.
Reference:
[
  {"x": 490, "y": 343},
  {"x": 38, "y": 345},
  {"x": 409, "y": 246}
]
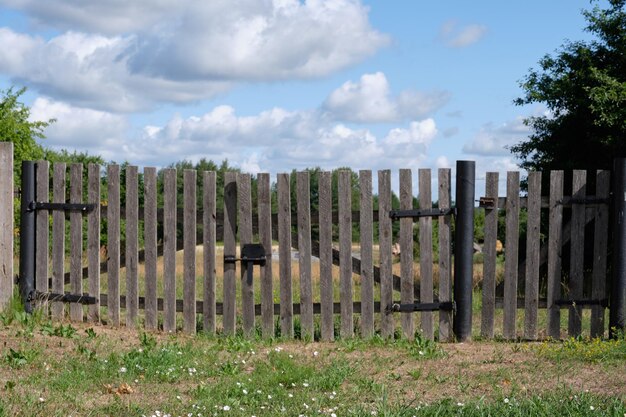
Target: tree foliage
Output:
[{"x": 584, "y": 89}]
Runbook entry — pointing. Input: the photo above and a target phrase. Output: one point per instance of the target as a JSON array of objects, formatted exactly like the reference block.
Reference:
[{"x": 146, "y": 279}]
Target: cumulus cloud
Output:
[
  {"x": 495, "y": 140},
  {"x": 370, "y": 100},
  {"x": 455, "y": 36}
]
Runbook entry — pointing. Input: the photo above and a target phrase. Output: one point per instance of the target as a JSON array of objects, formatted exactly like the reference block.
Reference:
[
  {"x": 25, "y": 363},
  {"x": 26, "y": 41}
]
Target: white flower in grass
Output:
[
  {"x": 333, "y": 415},
  {"x": 306, "y": 384},
  {"x": 226, "y": 408},
  {"x": 591, "y": 407},
  {"x": 122, "y": 370},
  {"x": 316, "y": 353},
  {"x": 290, "y": 395},
  {"x": 506, "y": 400},
  {"x": 460, "y": 404},
  {"x": 245, "y": 391}
]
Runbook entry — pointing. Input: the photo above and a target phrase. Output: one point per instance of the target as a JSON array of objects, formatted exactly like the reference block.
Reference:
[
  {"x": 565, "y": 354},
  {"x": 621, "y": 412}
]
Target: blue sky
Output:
[{"x": 277, "y": 85}]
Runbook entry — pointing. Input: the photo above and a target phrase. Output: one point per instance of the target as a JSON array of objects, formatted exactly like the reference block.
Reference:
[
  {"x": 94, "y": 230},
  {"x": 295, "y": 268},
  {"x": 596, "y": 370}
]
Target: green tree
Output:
[{"x": 584, "y": 89}]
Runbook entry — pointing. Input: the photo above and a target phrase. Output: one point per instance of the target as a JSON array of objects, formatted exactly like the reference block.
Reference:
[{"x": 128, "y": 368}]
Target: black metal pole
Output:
[
  {"x": 617, "y": 312},
  {"x": 463, "y": 249},
  {"x": 27, "y": 235}
]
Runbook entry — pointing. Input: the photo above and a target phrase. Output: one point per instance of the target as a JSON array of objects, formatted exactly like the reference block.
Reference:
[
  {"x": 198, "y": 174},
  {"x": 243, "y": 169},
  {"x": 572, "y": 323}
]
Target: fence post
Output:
[
  {"x": 617, "y": 312},
  {"x": 27, "y": 234},
  {"x": 463, "y": 249},
  {"x": 6, "y": 223}
]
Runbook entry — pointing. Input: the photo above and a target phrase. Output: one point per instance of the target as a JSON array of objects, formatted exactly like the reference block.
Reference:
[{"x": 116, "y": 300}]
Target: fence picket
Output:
[
  {"x": 209, "y": 247},
  {"x": 367, "y": 262},
  {"x": 6, "y": 223},
  {"x": 265, "y": 237},
  {"x": 150, "y": 246},
  {"x": 407, "y": 294},
  {"x": 244, "y": 198},
  {"x": 555, "y": 239},
  {"x": 169, "y": 250},
  {"x": 76, "y": 240},
  {"x": 43, "y": 230},
  {"x": 511, "y": 254},
  {"x": 284, "y": 253},
  {"x": 384, "y": 235},
  {"x": 598, "y": 283},
  {"x": 345, "y": 253},
  {"x": 326, "y": 255},
  {"x": 189, "y": 255},
  {"x": 113, "y": 240},
  {"x": 58, "y": 238},
  {"x": 132, "y": 245},
  {"x": 230, "y": 249},
  {"x": 531, "y": 293},
  {"x": 489, "y": 260},
  {"x": 426, "y": 252},
  {"x": 577, "y": 252},
  {"x": 304, "y": 253},
  {"x": 93, "y": 241},
  {"x": 445, "y": 257}
]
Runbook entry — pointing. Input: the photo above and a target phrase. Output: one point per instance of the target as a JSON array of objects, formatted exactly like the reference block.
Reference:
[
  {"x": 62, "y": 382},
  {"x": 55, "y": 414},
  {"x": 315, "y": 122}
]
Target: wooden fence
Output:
[{"x": 531, "y": 282}]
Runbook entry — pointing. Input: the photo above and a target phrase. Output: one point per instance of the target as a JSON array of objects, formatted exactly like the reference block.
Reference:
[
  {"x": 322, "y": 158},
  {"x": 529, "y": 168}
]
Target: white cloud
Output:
[
  {"x": 496, "y": 140},
  {"x": 370, "y": 100},
  {"x": 455, "y": 36}
]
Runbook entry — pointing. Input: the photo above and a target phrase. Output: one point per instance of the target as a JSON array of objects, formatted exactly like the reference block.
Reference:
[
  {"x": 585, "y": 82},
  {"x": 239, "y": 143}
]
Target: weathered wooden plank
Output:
[
  {"x": 169, "y": 250},
  {"x": 407, "y": 295},
  {"x": 326, "y": 255},
  {"x": 304, "y": 253},
  {"x": 577, "y": 252},
  {"x": 265, "y": 237},
  {"x": 531, "y": 292},
  {"x": 6, "y": 223},
  {"x": 209, "y": 206},
  {"x": 384, "y": 236},
  {"x": 426, "y": 252},
  {"x": 93, "y": 241},
  {"x": 445, "y": 256},
  {"x": 511, "y": 254},
  {"x": 113, "y": 244},
  {"x": 150, "y": 246},
  {"x": 230, "y": 233},
  {"x": 58, "y": 238},
  {"x": 189, "y": 255},
  {"x": 42, "y": 230},
  {"x": 76, "y": 240},
  {"x": 366, "y": 225},
  {"x": 555, "y": 239},
  {"x": 132, "y": 245},
  {"x": 245, "y": 237},
  {"x": 489, "y": 258},
  {"x": 598, "y": 282},
  {"x": 284, "y": 253},
  {"x": 345, "y": 253}
]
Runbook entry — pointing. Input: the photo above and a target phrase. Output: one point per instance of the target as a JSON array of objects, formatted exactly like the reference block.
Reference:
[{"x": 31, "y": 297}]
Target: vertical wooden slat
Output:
[
  {"x": 265, "y": 237},
  {"x": 367, "y": 260},
  {"x": 511, "y": 254},
  {"x": 407, "y": 293},
  {"x": 598, "y": 283},
  {"x": 209, "y": 247},
  {"x": 426, "y": 252},
  {"x": 113, "y": 239},
  {"x": 284, "y": 254},
  {"x": 169, "y": 250},
  {"x": 132, "y": 245},
  {"x": 577, "y": 252},
  {"x": 326, "y": 255},
  {"x": 445, "y": 257},
  {"x": 531, "y": 292},
  {"x": 245, "y": 237},
  {"x": 345, "y": 253},
  {"x": 384, "y": 234},
  {"x": 304, "y": 249},
  {"x": 93, "y": 241},
  {"x": 150, "y": 246},
  {"x": 555, "y": 243},
  {"x": 6, "y": 223},
  {"x": 230, "y": 249},
  {"x": 189, "y": 255},
  {"x": 489, "y": 258},
  {"x": 43, "y": 229},
  {"x": 58, "y": 238},
  {"x": 76, "y": 240}
]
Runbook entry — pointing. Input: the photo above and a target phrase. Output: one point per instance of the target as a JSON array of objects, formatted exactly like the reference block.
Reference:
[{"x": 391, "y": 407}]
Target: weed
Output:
[{"x": 15, "y": 358}]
